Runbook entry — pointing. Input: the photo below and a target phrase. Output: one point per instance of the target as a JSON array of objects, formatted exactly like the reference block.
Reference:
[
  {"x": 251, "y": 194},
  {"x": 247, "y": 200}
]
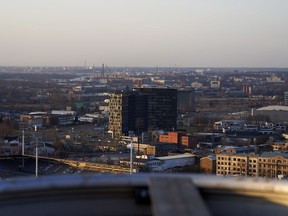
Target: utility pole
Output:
[
  {"x": 131, "y": 156},
  {"x": 23, "y": 147}
]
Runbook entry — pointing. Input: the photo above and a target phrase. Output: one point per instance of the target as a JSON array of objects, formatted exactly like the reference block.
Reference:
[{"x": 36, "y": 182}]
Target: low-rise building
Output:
[
  {"x": 208, "y": 164},
  {"x": 273, "y": 165},
  {"x": 268, "y": 164},
  {"x": 237, "y": 164},
  {"x": 170, "y": 162}
]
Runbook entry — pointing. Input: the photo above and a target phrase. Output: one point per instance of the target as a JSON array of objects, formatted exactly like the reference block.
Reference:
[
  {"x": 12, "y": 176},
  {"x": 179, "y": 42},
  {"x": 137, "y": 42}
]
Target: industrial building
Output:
[{"x": 275, "y": 113}]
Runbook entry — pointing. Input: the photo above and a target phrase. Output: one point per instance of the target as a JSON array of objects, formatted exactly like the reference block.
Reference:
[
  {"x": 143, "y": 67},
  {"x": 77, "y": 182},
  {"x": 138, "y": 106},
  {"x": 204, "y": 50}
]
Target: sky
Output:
[{"x": 164, "y": 33}]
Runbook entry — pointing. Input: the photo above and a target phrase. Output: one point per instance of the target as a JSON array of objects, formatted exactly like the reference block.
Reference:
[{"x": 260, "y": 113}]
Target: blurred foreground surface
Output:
[{"x": 142, "y": 195}]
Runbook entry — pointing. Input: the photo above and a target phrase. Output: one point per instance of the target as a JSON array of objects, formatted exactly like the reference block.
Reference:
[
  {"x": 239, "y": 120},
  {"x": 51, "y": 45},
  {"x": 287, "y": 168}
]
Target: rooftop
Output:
[
  {"x": 275, "y": 108},
  {"x": 274, "y": 154},
  {"x": 175, "y": 157}
]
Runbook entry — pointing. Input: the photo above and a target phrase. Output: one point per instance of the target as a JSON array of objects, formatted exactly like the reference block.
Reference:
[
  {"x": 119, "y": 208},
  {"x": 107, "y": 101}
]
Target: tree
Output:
[{"x": 6, "y": 129}]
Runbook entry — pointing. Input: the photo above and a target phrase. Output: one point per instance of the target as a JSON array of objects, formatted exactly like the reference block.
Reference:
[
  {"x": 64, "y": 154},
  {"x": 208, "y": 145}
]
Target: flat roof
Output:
[{"x": 175, "y": 157}]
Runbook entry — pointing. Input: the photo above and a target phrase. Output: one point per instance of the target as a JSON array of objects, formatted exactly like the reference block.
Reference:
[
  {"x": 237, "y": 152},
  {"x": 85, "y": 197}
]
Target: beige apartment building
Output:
[
  {"x": 273, "y": 165},
  {"x": 236, "y": 164},
  {"x": 268, "y": 164}
]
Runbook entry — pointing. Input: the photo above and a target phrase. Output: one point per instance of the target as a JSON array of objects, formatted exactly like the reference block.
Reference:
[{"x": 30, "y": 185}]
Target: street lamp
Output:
[
  {"x": 23, "y": 147},
  {"x": 131, "y": 156},
  {"x": 36, "y": 153}
]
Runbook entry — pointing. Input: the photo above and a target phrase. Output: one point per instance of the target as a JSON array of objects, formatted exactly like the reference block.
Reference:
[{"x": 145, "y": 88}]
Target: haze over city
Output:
[{"x": 144, "y": 33}]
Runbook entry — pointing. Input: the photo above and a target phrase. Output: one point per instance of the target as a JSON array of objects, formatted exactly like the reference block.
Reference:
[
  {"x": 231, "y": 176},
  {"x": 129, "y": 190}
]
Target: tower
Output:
[
  {"x": 142, "y": 110},
  {"x": 186, "y": 100},
  {"x": 102, "y": 71}
]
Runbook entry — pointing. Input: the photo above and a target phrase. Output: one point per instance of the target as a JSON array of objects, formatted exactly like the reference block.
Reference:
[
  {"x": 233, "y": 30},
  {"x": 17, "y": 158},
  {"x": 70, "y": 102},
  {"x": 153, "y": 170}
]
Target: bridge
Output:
[{"x": 80, "y": 165}]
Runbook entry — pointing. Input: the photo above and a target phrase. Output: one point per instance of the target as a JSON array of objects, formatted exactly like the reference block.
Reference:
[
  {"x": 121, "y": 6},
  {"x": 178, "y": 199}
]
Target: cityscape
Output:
[
  {"x": 143, "y": 107},
  {"x": 221, "y": 121}
]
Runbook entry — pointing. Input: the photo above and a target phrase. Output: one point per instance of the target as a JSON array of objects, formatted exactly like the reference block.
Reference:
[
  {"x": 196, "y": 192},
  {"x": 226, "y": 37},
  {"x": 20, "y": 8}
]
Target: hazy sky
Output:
[{"x": 196, "y": 33}]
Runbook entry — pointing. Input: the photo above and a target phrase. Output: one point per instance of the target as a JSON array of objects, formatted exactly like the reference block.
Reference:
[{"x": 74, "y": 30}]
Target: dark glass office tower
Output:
[
  {"x": 142, "y": 110},
  {"x": 186, "y": 100},
  {"x": 162, "y": 108},
  {"x": 138, "y": 113}
]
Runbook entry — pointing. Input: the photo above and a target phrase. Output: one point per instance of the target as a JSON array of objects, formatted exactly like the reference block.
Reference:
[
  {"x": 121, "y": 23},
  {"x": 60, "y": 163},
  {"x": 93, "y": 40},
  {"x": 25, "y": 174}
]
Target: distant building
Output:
[
  {"x": 171, "y": 137},
  {"x": 142, "y": 110},
  {"x": 118, "y": 118},
  {"x": 170, "y": 162},
  {"x": 181, "y": 139},
  {"x": 286, "y": 98},
  {"x": 280, "y": 146},
  {"x": 275, "y": 113},
  {"x": 127, "y": 112},
  {"x": 274, "y": 79},
  {"x": 155, "y": 149},
  {"x": 208, "y": 164},
  {"x": 188, "y": 141},
  {"x": 162, "y": 108},
  {"x": 237, "y": 164},
  {"x": 247, "y": 89},
  {"x": 186, "y": 100},
  {"x": 196, "y": 85},
  {"x": 267, "y": 164},
  {"x": 235, "y": 149},
  {"x": 63, "y": 117},
  {"x": 215, "y": 84},
  {"x": 273, "y": 165}
]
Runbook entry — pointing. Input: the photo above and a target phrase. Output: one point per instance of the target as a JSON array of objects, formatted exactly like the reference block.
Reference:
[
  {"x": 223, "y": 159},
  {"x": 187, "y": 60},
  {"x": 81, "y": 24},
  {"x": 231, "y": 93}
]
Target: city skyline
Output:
[{"x": 151, "y": 33}]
